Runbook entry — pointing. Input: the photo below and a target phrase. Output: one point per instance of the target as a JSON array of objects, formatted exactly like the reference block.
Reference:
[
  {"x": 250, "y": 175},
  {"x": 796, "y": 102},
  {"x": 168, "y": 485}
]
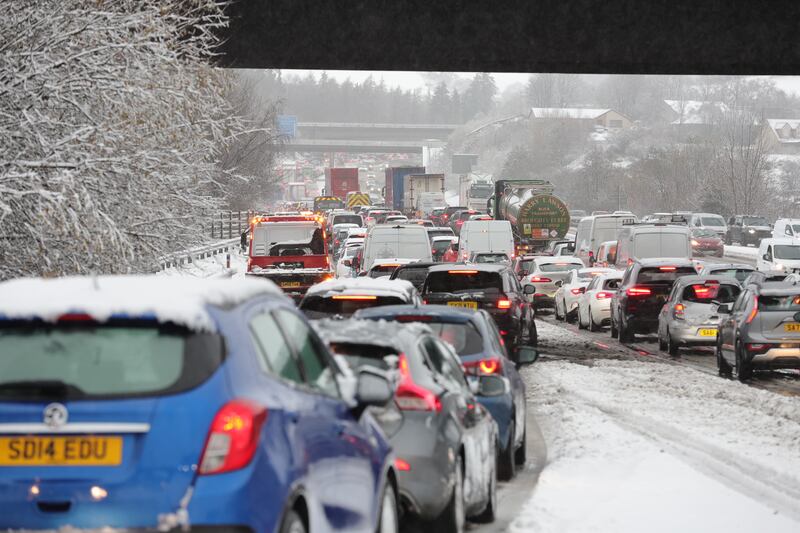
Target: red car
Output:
[
  {"x": 707, "y": 243},
  {"x": 451, "y": 255}
]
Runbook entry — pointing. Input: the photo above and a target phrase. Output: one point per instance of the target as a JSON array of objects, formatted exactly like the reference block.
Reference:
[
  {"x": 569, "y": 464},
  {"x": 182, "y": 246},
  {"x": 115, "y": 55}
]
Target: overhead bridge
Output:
[{"x": 367, "y": 137}]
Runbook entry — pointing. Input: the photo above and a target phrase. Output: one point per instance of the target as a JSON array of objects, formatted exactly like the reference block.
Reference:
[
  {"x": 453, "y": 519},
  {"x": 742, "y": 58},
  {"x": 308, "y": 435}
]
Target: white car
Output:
[
  {"x": 384, "y": 267},
  {"x": 594, "y": 305},
  {"x": 344, "y": 266},
  {"x": 544, "y": 272},
  {"x": 395, "y": 219},
  {"x": 571, "y": 289},
  {"x": 343, "y": 297}
]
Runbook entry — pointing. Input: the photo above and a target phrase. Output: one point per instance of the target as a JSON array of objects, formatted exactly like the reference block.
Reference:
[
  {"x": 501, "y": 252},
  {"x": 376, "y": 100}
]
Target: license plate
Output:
[
  {"x": 708, "y": 332},
  {"x": 289, "y": 284},
  {"x": 468, "y": 305},
  {"x": 793, "y": 328},
  {"x": 61, "y": 451}
]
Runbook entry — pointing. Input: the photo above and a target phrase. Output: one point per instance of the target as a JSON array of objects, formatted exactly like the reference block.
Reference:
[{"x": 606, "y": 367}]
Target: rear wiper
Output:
[{"x": 47, "y": 388}]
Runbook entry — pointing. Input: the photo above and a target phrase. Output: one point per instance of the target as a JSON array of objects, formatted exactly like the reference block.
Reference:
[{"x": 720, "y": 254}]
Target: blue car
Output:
[
  {"x": 476, "y": 339},
  {"x": 149, "y": 402}
]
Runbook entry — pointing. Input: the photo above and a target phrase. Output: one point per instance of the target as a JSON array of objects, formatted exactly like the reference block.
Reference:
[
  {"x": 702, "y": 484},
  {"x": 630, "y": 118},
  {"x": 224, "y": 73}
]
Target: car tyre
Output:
[
  {"x": 292, "y": 523},
  {"x": 591, "y": 326},
  {"x": 723, "y": 368},
  {"x": 744, "y": 371},
  {"x": 533, "y": 334},
  {"x": 613, "y": 328},
  {"x": 521, "y": 454},
  {"x": 624, "y": 334},
  {"x": 672, "y": 347},
  {"x": 555, "y": 312},
  {"x": 389, "y": 518},
  {"x": 505, "y": 458},
  {"x": 489, "y": 512},
  {"x": 581, "y": 323},
  {"x": 453, "y": 517}
]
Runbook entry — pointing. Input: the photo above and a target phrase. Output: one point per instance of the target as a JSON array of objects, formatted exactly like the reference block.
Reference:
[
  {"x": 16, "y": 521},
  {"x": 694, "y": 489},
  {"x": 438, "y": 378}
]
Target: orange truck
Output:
[{"x": 290, "y": 250}]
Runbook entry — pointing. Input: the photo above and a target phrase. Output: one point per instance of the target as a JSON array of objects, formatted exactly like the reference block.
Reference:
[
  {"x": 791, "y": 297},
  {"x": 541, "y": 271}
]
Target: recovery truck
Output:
[
  {"x": 537, "y": 216},
  {"x": 290, "y": 250}
]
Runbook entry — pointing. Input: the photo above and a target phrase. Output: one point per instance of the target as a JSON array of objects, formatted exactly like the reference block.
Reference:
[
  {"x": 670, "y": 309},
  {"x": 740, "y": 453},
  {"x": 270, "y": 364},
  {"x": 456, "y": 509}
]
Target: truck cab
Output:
[{"x": 291, "y": 251}]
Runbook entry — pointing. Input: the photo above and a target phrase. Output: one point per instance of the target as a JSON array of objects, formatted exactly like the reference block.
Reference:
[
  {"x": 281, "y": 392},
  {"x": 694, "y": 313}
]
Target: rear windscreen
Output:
[
  {"x": 465, "y": 338},
  {"x": 706, "y": 293},
  {"x": 559, "y": 267},
  {"x": 103, "y": 361},
  {"x": 789, "y": 302},
  {"x": 414, "y": 275},
  {"x": 319, "y": 307},
  {"x": 464, "y": 282},
  {"x": 441, "y": 246},
  {"x": 664, "y": 274},
  {"x": 738, "y": 273},
  {"x": 382, "y": 270},
  {"x": 712, "y": 221},
  {"x": 647, "y": 245},
  {"x": 440, "y": 233},
  {"x": 347, "y": 219},
  {"x": 359, "y": 355}
]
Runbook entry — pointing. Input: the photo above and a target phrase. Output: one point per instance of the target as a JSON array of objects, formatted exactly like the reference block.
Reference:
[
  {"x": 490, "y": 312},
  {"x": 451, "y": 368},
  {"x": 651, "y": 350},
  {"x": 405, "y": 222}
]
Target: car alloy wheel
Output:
[
  {"x": 292, "y": 523},
  {"x": 505, "y": 459},
  {"x": 743, "y": 370},
  {"x": 389, "y": 522},
  {"x": 453, "y": 517}
]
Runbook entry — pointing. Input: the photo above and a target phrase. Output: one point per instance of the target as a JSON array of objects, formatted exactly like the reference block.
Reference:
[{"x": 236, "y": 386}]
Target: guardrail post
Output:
[
  {"x": 228, "y": 261},
  {"x": 230, "y": 224}
]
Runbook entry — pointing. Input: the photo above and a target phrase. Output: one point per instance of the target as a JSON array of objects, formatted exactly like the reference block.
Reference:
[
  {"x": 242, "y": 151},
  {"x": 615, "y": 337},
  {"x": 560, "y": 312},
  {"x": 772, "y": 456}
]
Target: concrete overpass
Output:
[{"x": 345, "y": 137}]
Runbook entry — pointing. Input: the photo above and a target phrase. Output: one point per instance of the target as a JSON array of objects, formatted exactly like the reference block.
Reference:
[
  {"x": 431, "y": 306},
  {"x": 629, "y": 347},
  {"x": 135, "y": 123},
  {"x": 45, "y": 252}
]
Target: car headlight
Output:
[
  {"x": 695, "y": 243},
  {"x": 779, "y": 266},
  {"x": 751, "y": 231}
]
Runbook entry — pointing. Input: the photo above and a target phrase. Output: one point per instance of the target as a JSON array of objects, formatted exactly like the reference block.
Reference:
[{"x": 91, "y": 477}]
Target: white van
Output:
[
  {"x": 594, "y": 230},
  {"x": 485, "y": 236},
  {"x": 648, "y": 241},
  {"x": 709, "y": 221},
  {"x": 386, "y": 242},
  {"x": 786, "y": 228},
  {"x": 778, "y": 254}
]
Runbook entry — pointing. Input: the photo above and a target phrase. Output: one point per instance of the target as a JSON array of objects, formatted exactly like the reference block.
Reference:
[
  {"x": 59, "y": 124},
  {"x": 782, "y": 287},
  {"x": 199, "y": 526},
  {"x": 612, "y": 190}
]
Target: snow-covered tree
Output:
[{"x": 111, "y": 120}]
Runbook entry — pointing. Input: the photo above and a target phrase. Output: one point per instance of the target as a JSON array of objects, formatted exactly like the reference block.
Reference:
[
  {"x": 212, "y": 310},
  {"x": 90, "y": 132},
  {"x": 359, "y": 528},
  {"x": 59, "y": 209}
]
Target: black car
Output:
[
  {"x": 444, "y": 220},
  {"x": 493, "y": 287},
  {"x": 641, "y": 295},
  {"x": 443, "y": 438},
  {"x": 747, "y": 230},
  {"x": 414, "y": 273}
]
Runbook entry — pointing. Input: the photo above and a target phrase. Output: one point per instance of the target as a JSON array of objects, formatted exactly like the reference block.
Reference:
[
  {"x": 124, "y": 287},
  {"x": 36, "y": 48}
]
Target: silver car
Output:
[
  {"x": 740, "y": 271},
  {"x": 690, "y": 315}
]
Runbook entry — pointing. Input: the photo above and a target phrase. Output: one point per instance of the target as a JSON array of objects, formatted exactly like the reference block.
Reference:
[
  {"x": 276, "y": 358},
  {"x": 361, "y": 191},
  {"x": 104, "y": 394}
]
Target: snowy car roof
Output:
[
  {"x": 364, "y": 285},
  {"x": 440, "y": 238},
  {"x": 550, "y": 259},
  {"x": 182, "y": 301},
  {"x": 360, "y": 331}
]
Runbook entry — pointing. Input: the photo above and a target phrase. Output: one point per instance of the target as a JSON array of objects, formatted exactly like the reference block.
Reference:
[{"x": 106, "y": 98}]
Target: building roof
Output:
[
  {"x": 579, "y": 113},
  {"x": 695, "y": 111},
  {"x": 777, "y": 126}
]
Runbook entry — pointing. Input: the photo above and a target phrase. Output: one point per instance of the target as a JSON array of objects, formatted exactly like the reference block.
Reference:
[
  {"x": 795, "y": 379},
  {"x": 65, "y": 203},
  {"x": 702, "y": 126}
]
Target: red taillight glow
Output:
[
  {"x": 639, "y": 291},
  {"x": 462, "y": 271},
  {"x": 678, "y": 310},
  {"x": 484, "y": 367},
  {"x": 401, "y": 466},
  {"x": 603, "y": 295},
  {"x": 353, "y": 297},
  {"x": 411, "y": 397},
  {"x": 667, "y": 269},
  {"x": 75, "y": 317},
  {"x": 754, "y": 311},
  {"x": 233, "y": 437},
  {"x": 577, "y": 290},
  {"x": 504, "y": 304},
  {"x": 537, "y": 279}
]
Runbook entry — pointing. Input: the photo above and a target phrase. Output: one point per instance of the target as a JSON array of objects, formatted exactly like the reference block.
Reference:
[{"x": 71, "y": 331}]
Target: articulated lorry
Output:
[
  {"x": 393, "y": 191},
  {"x": 422, "y": 192},
  {"x": 474, "y": 190},
  {"x": 340, "y": 181}
]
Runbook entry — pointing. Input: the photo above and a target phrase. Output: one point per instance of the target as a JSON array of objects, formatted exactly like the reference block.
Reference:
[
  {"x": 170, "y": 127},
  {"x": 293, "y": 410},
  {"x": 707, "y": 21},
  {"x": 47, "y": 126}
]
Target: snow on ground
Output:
[
  {"x": 638, "y": 446},
  {"x": 741, "y": 252},
  {"x": 214, "y": 266}
]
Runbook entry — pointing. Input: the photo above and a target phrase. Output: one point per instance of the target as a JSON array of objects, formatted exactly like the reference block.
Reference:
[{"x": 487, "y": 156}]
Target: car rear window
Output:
[
  {"x": 712, "y": 221},
  {"x": 739, "y": 273},
  {"x": 322, "y": 306},
  {"x": 347, "y": 219},
  {"x": 664, "y": 274},
  {"x": 440, "y": 233},
  {"x": 359, "y": 355},
  {"x": 465, "y": 338},
  {"x": 441, "y": 246},
  {"x": 382, "y": 270},
  {"x": 790, "y": 302},
  {"x": 414, "y": 275},
  {"x": 559, "y": 267},
  {"x": 99, "y": 361},
  {"x": 706, "y": 293},
  {"x": 464, "y": 281}
]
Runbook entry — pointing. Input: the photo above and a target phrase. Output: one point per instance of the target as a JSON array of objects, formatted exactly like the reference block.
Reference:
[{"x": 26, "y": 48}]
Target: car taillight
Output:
[
  {"x": 411, "y": 397},
  {"x": 639, "y": 291},
  {"x": 504, "y": 304},
  {"x": 603, "y": 295},
  {"x": 233, "y": 437},
  {"x": 678, "y": 310},
  {"x": 401, "y": 465},
  {"x": 485, "y": 367},
  {"x": 667, "y": 269},
  {"x": 537, "y": 279},
  {"x": 753, "y": 311},
  {"x": 577, "y": 290},
  {"x": 758, "y": 347}
]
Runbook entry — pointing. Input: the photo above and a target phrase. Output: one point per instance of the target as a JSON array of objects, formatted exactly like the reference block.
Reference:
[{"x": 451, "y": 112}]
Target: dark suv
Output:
[
  {"x": 444, "y": 219},
  {"x": 492, "y": 287},
  {"x": 747, "y": 230},
  {"x": 762, "y": 330},
  {"x": 642, "y": 293}
]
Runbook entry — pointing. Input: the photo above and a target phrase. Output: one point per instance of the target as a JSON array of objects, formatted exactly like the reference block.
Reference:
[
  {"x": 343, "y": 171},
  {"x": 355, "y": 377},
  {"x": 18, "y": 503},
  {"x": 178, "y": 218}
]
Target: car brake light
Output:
[
  {"x": 462, "y": 271},
  {"x": 411, "y": 397},
  {"x": 602, "y": 295},
  {"x": 677, "y": 311},
  {"x": 504, "y": 304},
  {"x": 75, "y": 317},
  {"x": 758, "y": 347},
  {"x": 667, "y": 269},
  {"x": 537, "y": 279},
  {"x": 754, "y": 311},
  {"x": 413, "y": 318},
  {"x": 639, "y": 291},
  {"x": 577, "y": 290},
  {"x": 353, "y": 297},
  {"x": 233, "y": 437},
  {"x": 401, "y": 466},
  {"x": 486, "y": 367}
]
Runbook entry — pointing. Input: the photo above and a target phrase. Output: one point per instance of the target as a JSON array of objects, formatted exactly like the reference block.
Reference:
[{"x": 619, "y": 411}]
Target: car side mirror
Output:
[
  {"x": 372, "y": 388},
  {"x": 529, "y": 289},
  {"x": 492, "y": 386},
  {"x": 558, "y": 283},
  {"x": 527, "y": 355},
  {"x": 766, "y": 257},
  {"x": 347, "y": 262}
]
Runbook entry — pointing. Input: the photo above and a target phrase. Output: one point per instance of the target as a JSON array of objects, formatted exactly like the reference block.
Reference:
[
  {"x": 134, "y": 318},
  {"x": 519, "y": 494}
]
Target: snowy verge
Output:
[
  {"x": 210, "y": 267},
  {"x": 655, "y": 447},
  {"x": 741, "y": 252}
]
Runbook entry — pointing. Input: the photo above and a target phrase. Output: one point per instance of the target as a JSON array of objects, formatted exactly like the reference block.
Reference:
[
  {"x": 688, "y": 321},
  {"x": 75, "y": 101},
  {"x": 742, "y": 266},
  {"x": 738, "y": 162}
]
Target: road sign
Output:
[{"x": 287, "y": 125}]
